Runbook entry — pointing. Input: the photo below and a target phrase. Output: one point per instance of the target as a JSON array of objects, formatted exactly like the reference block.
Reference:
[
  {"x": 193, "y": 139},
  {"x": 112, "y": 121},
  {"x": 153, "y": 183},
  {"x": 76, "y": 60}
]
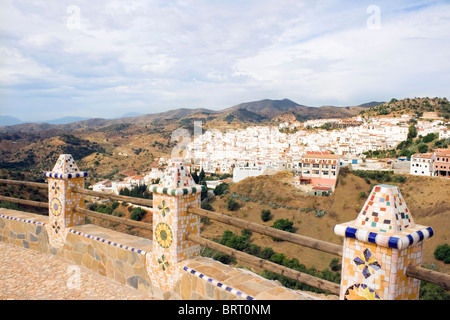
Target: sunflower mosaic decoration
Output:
[
  {"x": 360, "y": 291},
  {"x": 56, "y": 206},
  {"x": 164, "y": 235},
  {"x": 367, "y": 263},
  {"x": 164, "y": 208}
]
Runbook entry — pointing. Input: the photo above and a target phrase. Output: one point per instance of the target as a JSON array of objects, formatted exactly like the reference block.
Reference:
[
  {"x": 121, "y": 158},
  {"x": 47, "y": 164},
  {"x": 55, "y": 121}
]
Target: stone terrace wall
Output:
[{"x": 122, "y": 258}]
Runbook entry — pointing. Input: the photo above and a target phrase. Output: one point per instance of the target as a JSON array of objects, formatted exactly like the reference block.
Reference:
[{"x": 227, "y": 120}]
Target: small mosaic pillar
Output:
[
  {"x": 173, "y": 195},
  {"x": 378, "y": 247},
  {"x": 62, "y": 201}
]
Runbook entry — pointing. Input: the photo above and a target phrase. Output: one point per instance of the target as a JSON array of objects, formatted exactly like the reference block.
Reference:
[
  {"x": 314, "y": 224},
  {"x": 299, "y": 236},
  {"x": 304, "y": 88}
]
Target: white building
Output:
[
  {"x": 103, "y": 186},
  {"x": 422, "y": 164},
  {"x": 155, "y": 173},
  {"x": 444, "y": 133},
  {"x": 240, "y": 173}
]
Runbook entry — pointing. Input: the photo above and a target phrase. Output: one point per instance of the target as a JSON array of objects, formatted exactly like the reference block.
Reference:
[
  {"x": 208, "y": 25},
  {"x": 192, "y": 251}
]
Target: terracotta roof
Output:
[
  {"x": 321, "y": 188},
  {"x": 322, "y": 156},
  {"x": 423, "y": 155}
]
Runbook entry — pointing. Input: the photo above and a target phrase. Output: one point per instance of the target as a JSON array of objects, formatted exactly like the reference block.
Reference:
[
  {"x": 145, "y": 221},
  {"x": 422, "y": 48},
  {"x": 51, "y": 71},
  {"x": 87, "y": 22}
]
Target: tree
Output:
[
  {"x": 412, "y": 132},
  {"x": 422, "y": 148},
  {"x": 430, "y": 137},
  {"x": 201, "y": 177},
  {"x": 195, "y": 176}
]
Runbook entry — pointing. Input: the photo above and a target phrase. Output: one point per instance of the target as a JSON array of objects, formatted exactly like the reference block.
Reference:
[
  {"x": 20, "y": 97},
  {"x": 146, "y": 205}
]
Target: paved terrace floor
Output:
[{"x": 31, "y": 275}]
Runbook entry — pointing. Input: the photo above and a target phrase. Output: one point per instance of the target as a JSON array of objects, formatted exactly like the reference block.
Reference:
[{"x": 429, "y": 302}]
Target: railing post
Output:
[
  {"x": 173, "y": 195},
  {"x": 378, "y": 247},
  {"x": 62, "y": 201}
]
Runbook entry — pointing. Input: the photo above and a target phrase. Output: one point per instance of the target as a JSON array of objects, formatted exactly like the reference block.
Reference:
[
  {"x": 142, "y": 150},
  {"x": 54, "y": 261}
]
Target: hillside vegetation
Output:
[
  {"x": 427, "y": 199},
  {"x": 415, "y": 107}
]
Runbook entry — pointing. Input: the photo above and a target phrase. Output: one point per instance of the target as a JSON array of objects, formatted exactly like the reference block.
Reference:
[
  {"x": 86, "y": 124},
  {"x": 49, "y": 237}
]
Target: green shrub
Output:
[
  {"x": 232, "y": 205},
  {"x": 137, "y": 214},
  {"x": 104, "y": 209},
  {"x": 283, "y": 224},
  {"x": 442, "y": 253},
  {"x": 206, "y": 206},
  {"x": 266, "y": 215},
  {"x": 221, "y": 189}
]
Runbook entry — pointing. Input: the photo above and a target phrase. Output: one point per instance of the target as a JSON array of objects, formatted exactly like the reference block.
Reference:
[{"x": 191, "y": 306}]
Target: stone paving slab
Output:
[{"x": 30, "y": 275}]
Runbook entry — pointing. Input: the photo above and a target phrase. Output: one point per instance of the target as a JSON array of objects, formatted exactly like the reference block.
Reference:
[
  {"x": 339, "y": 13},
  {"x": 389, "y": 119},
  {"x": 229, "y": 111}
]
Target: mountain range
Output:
[{"x": 252, "y": 112}]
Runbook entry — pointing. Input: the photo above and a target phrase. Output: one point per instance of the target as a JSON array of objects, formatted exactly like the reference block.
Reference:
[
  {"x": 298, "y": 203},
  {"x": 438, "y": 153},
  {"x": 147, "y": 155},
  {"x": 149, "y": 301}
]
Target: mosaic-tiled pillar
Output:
[
  {"x": 378, "y": 247},
  {"x": 62, "y": 201},
  {"x": 171, "y": 221}
]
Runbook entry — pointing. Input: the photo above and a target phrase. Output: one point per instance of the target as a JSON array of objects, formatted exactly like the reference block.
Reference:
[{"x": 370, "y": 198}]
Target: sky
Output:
[{"x": 107, "y": 58}]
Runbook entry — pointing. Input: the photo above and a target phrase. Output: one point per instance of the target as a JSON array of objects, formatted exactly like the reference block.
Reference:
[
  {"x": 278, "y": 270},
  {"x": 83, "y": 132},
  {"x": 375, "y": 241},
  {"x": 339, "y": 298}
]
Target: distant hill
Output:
[
  {"x": 65, "y": 120},
  {"x": 9, "y": 121},
  {"x": 267, "y": 108},
  {"x": 371, "y": 104},
  {"x": 412, "y": 106},
  {"x": 262, "y": 111}
]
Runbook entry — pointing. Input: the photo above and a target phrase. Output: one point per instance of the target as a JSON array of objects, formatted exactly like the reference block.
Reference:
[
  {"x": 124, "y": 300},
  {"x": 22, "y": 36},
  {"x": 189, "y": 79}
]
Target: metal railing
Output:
[{"x": 420, "y": 273}]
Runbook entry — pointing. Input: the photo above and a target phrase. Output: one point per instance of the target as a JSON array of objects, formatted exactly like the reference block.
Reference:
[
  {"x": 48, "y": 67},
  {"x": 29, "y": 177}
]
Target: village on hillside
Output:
[{"x": 313, "y": 151}]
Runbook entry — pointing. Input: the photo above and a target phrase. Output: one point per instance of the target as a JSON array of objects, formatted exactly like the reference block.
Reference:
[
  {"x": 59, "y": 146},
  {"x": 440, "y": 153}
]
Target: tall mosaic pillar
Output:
[
  {"x": 62, "y": 201},
  {"x": 175, "y": 192},
  {"x": 378, "y": 247}
]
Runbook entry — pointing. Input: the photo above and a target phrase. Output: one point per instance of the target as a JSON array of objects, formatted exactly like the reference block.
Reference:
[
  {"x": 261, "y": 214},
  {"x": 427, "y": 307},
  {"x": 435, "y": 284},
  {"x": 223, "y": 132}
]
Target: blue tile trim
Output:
[
  {"x": 393, "y": 242},
  {"x": 218, "y": 284},
  {"x": 177, "y": 191},
  {"x": 399, "y": 242},
  {"x": 410, "y": 238},
  {"x": 22, "y": 220},
  {"x": 80, "y": 174},
  {"x": 430, "y": 231},
  {"x": 372, "y": 237},
  {"x": 115, "y": 244},
  {"x": 350, "y": 232},
  {"x": 420, "y": 235}
]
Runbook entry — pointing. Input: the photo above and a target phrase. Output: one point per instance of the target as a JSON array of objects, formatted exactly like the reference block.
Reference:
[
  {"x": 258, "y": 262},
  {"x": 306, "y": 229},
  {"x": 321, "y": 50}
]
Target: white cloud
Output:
[{"x": 170, "y": 54}]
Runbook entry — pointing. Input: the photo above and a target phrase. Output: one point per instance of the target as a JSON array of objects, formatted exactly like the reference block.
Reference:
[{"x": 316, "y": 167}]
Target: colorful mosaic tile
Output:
[
  {"x": 65, "y": 168},
  {"x": 163, "y": 208},
  {"x": 177, "y": 181},
  {"x": 62, "y": 179},
  {"x": 360, "y": 291},
  {"x": 176, "y": 175},
  {"x": 65, "y": 164},
  {"x": 385, "y": 211},
  {"x": 367, "y": 263},
  {"x": 378, "y": 247},
  {"x": 163, "y": 263},
  {"x": 171, "y": 221},
  {"x": 164, "y": 235}
]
